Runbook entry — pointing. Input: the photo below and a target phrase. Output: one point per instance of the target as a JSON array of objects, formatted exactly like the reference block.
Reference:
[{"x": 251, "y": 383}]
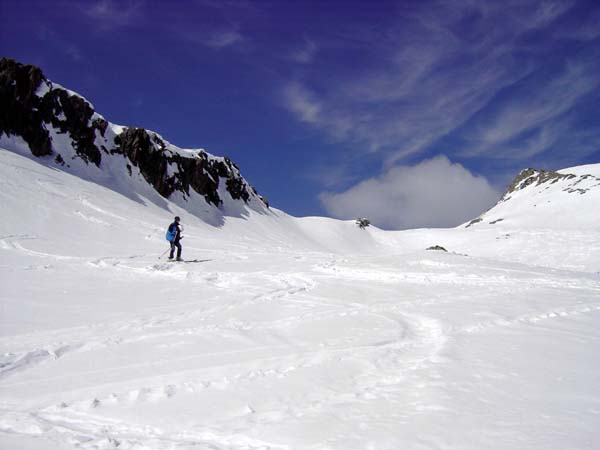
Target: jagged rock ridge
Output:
[
  {"x": 529, "y": 176},
  {"x": 31, "y": 105}
]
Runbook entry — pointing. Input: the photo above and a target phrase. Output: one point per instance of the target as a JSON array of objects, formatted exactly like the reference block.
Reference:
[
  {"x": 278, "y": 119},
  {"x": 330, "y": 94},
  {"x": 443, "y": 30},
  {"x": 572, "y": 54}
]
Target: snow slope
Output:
[
  {"x": 289, "y": 333},
  {"x": 567, "y": 199}
]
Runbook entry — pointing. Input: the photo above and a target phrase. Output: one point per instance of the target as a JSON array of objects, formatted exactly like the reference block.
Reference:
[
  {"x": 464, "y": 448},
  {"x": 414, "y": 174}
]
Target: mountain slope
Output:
[
  {"x": 40, "y": 117},
  {"x": 566, "y": 199}
]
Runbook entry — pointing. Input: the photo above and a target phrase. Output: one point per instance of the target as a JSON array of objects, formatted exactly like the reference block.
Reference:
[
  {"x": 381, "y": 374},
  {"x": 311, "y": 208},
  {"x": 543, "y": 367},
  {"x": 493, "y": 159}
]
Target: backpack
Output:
[{"x": 171, "y": 233}]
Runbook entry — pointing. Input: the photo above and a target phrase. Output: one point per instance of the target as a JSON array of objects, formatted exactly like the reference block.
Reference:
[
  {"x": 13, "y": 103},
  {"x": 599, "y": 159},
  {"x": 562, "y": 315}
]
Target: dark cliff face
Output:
[
  {"x": 19, "y": 106},
  {"x": 25, "y": 112},
  {"x": 148, "y": 153}
]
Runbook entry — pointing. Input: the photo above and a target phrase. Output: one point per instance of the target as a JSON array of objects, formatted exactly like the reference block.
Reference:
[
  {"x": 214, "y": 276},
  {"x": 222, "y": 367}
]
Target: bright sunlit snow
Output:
[{"x": 293, "y": 334}]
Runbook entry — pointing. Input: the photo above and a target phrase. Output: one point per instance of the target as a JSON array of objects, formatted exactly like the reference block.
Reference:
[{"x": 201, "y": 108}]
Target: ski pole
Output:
[{"x": 163, "y": 253}]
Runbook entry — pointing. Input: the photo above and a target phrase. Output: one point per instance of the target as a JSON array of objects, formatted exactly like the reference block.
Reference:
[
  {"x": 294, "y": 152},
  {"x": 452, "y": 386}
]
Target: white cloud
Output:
[
  {"x": 433, "y": 193},
  {"x": 73, "y": 53},
  {"x": 216, "y": 38},
  {"x": 300, "y": 101},
  {"x": 110, "y": 14},
  {"x": 549, "y": 10},
  {"x": 102, "y": 9},
  {"x": 305, "y": 54},
  {"x": 223, "y": 39}
]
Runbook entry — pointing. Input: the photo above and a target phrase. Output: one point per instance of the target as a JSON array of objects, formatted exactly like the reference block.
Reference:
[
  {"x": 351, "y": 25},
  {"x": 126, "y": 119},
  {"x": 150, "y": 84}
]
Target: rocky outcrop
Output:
[
  {"x": 25, "y": 113},
  {"x": 474, "y": 222},
  {"x": 30, "y": 105},
  {"x": 72, "y": 115},
  {"x": 437, "y": 248},
  {"x": 19, "y": 106},
  {"x": 149, "y": 153},
  {"x": 527, "y": 177}
]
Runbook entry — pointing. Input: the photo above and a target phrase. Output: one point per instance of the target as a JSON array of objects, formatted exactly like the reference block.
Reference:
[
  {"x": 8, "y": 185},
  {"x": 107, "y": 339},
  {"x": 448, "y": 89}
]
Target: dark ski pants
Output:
[{"x": 173, "y": 245}]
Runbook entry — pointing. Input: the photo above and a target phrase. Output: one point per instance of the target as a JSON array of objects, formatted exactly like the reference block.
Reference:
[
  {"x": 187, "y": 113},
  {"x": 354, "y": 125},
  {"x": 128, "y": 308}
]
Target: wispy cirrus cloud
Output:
[
  {"x": 213, "y": 37},
  {"x": 66, "y": 47},
  {"x": 112, "y": 14},
  {"x": 303, "y": 103},
  {"x": 535, "y": 109},
  {"x": 547, "y": 11},
  {"x": 221, "y": 23},
  {"x": 223, "y": 38},
  {"x": 401, "y": 112},
  {"x": 306, "y": 53},
  {"x": 448, "y": 72}
]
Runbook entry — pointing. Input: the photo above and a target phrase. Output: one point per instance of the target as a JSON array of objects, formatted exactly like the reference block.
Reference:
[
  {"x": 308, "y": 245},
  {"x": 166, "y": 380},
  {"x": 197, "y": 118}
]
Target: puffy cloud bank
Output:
[{"x": 433, "y": 193}]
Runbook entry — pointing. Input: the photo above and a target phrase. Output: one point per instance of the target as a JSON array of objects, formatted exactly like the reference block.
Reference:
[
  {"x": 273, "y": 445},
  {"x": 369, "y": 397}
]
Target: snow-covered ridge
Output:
[
  {"x": 548, "y": 199},
  {"x": 40, "y": 117}
]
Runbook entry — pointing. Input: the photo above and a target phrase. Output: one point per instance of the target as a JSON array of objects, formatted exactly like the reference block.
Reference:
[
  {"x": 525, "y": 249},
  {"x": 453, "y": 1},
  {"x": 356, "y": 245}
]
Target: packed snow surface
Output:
[{"x": 286, "y": 333}]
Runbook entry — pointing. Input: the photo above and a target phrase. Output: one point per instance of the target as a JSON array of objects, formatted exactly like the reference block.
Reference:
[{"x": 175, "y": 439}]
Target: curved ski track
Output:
[{"x": 410, "y": 346}]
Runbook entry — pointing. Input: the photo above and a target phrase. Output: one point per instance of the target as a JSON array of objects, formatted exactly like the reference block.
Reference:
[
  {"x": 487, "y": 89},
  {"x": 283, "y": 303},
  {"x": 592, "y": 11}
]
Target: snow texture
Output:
[{"x": 292, "y": 333}]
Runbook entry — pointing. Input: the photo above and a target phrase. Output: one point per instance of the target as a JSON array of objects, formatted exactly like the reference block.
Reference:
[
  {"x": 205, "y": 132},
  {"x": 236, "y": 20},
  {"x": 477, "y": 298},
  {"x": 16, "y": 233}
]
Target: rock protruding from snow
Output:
[
  {"x": 527, "y": 177},
  {"x": 19, "y": 105},
  {"x": 169, "y": 171},
  {"x": 43, "y": 114},
  {"x": 437, "y": 248}
]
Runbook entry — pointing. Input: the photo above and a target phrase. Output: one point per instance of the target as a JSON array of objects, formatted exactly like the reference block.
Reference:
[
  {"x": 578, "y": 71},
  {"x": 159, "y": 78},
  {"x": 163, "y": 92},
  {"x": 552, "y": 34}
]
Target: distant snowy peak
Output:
[
  {"x": 53, "y": 121},
  {"x": 568, "y": 198}
]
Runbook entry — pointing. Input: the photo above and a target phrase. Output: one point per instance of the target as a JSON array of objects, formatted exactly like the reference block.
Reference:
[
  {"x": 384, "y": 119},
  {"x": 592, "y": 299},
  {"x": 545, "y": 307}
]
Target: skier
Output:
[{"x": 174, "y": 232}]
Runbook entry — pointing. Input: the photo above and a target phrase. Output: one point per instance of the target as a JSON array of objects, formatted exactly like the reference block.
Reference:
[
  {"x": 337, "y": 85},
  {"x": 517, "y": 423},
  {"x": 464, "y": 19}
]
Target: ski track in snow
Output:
[
  {"x": 154, "y": 327},
  {"x": 86, "y": 203},
  {"x": 390, "y": 365},
  {"x": 452, "y": 277},
  {"x": 13, "y": 242},
  {"x": 11, "y": 363},
  {"x": 83, "y": 423},
  {"x": 425, "y": 341},
  {"x": 530, "y": 319}
]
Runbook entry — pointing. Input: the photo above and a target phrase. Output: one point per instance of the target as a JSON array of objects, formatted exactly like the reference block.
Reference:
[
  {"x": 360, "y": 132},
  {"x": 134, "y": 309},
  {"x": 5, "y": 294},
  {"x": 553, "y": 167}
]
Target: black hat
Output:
[{"x": 177, "y": 219}]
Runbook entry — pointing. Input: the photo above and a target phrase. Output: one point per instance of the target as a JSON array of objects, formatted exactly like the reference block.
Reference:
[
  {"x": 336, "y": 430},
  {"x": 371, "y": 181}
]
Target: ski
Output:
[{"x": 190, "y": 260}]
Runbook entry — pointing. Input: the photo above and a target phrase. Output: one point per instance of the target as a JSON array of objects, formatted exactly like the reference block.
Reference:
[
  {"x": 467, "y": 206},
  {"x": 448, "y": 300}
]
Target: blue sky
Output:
[{"x": 413, "y": 113}]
